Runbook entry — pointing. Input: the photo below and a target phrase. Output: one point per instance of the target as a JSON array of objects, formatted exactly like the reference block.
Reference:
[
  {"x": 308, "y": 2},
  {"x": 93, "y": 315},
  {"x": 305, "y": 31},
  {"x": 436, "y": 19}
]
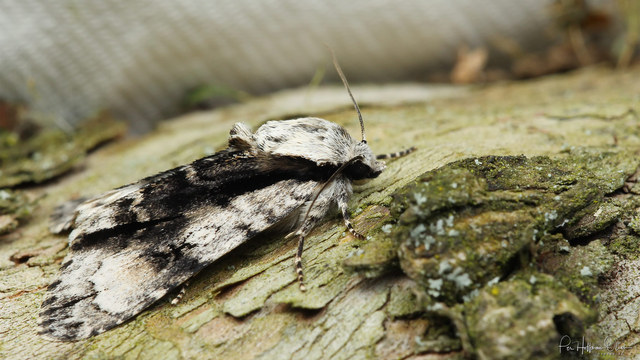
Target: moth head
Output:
[{"x": 364, "y": 164}]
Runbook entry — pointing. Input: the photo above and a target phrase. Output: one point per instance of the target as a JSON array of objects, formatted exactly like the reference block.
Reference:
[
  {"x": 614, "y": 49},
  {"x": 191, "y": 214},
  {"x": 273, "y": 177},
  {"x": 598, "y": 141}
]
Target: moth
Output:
[{"x": 133, "y": 245}]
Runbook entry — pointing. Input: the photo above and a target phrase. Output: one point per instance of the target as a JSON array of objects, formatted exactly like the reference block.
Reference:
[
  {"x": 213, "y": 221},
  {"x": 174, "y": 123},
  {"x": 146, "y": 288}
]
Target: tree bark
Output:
[{"x": 360, "y": 303}]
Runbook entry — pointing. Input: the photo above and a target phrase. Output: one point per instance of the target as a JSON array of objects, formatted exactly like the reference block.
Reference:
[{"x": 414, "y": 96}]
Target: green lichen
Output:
[
  {"x": 471, "y": 232},
  {"x": 403, "y": 301},
  {"x": 626, "y": 246},
  {"x": 598, "y": 216},
  {"x": 634, "y": 224},
  {"x": 524, "y": 319},
  {"x": 469, "y": 223},
  {"x": 579, "y": 268},
  {"x": 376, "y": 257}
]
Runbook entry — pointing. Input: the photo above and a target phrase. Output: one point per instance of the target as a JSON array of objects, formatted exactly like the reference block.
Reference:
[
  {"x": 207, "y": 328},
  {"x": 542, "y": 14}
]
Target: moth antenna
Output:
[{"x": 346, "y": 85}]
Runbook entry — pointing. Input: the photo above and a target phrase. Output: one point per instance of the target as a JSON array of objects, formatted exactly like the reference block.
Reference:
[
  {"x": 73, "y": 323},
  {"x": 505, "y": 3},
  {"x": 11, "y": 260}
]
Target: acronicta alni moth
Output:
[{"x": 133, "y": 245}]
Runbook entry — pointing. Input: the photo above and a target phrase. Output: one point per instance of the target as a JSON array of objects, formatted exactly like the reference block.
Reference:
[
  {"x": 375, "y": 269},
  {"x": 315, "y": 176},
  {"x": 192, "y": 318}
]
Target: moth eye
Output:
[{"x": 363, "y": 141}]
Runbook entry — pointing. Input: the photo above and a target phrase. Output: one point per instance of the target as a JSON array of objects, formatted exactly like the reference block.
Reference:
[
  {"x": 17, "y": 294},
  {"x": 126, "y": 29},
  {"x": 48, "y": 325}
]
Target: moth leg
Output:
[
  {"x": 396, "y": 154},
  {"x": 342, "y": 204},
  {"x": 180, "y": 295},
  {"x": 299, "y": 271},
  {"x": 317, "y": 212},
  {"x": 338, "y": 191}
]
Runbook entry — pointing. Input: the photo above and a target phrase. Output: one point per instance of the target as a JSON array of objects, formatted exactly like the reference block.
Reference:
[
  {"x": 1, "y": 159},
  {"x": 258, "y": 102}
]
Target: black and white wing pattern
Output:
[{"x": 133, "y": 245}]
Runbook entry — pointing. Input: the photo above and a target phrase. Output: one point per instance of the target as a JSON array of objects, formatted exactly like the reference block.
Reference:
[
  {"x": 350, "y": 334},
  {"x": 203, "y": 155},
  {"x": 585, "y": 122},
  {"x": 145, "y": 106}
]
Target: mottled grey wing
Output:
[{"x": 128, "y": 251}]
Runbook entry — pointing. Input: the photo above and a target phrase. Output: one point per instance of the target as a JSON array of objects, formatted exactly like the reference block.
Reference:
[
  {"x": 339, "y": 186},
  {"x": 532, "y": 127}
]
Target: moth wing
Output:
[
  {"x": 213, "y": 179},
  {"x": 112, "y": 274}
]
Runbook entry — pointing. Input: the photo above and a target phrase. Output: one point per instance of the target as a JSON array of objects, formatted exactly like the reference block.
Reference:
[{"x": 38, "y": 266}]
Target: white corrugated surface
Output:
[{"x": 69, "y": 58}]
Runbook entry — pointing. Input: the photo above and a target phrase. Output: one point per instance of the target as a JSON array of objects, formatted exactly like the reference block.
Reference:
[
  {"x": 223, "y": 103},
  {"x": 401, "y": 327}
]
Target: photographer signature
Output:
[{"x": 581, "y": 346}]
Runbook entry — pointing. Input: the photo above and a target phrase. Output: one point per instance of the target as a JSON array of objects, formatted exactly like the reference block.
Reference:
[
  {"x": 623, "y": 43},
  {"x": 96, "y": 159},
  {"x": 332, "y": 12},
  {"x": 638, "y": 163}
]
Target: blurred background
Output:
[{"x": 143, "y": 61}]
